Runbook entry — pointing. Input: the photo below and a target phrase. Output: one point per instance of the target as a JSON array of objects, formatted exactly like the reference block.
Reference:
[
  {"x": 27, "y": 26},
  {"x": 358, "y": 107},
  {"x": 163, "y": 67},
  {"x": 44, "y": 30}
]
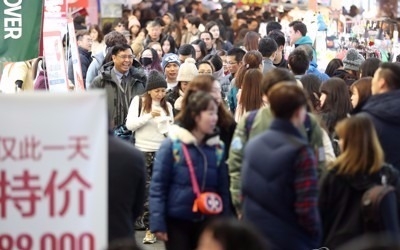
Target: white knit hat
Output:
[
  {"x": 188, "y": 71},
  {"x": 133, "y": 21}
]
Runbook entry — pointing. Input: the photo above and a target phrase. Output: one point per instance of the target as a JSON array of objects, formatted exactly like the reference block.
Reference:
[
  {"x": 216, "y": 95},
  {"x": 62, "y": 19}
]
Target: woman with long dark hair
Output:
[
  {"x": 335, "y": 102},
  {"x": 200, "y": 48},
  {"x": 219, "y": 42},
  {"x": 168, "y": 45},
  {"x": 335, "y": 106}
]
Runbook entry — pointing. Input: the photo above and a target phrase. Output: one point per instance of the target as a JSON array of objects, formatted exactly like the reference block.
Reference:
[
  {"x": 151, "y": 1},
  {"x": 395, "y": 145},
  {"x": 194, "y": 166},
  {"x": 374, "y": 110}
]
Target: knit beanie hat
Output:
[
  {"x": 187, "y": 71},
  {"x": 353, "y": 60},
  {"x": 133, "y": 21},
  {"x": 169, "y": 58},
  {"x": 155, "y": 80},
  {"x": 170, "y": 16}
]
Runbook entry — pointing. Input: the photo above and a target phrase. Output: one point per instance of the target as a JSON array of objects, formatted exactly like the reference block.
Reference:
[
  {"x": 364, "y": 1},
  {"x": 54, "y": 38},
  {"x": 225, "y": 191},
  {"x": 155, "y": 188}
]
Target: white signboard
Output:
[
  {"x": 53, "y": 171},
  {"x": 76, "y": 62},
  {"x": 55, "y": 63},
  {"x": 110, "y": 10}
]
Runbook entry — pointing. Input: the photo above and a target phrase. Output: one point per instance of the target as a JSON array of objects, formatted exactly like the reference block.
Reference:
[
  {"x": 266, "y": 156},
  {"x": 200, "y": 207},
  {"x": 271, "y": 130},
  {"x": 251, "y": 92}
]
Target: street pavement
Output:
[{"x": 159, "y": 245}]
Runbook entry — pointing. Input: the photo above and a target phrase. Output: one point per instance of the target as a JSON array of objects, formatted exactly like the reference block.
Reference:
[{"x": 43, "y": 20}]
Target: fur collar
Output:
[{"x": 176, "y": 132}]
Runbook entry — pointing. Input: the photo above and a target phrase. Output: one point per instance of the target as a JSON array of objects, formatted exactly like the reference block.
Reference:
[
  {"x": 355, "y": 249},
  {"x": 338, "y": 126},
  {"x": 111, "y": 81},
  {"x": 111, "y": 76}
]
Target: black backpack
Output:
[{"x": 371, "y": 206}]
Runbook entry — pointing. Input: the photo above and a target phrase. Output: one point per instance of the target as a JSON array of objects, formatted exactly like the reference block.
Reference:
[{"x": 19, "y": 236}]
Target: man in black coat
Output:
[
  {"x": 384, "y": 109},
  {"x": 84, "y": 42},
  {"x": 126, "y": 188}
]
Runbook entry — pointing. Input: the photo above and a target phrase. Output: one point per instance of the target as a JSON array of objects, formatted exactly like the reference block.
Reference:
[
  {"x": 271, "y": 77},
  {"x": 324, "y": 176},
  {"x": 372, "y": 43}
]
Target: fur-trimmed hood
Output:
[{"x": 177, "y": 132}]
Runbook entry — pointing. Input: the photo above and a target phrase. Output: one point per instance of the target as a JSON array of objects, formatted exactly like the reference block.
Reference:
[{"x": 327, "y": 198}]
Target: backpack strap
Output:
[
  {"x": 249, "y": 122},
  {"x": 140, "y": 106},
  {"x": 307, "y": 126},
  {"x": 178, "y": 153}
]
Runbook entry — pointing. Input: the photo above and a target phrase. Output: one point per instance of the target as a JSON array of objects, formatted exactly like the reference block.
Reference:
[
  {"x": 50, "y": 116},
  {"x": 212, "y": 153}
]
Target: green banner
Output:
[{"x": 21, "y": 22}]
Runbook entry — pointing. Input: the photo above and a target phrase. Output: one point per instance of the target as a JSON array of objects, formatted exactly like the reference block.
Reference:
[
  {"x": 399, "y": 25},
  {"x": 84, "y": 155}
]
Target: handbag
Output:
[
  {"x": 208, "y": 203},
  {"x": 122, "y": 132}
]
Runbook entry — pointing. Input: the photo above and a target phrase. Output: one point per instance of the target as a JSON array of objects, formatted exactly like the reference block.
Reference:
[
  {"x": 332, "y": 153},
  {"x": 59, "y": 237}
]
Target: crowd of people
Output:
[{"x": 237, "y": 146}]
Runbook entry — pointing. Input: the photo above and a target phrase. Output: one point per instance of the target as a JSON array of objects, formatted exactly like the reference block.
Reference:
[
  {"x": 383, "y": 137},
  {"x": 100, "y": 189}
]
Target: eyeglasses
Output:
[
  {"x": 124, "y": 57},
  {"x": 231, "y": 63}
]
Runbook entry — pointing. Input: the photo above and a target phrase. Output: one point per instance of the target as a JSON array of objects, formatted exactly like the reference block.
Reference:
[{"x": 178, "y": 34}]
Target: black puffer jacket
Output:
[
  {"x": 85, "y": 58},
  {"x": 384, "y": 110}
]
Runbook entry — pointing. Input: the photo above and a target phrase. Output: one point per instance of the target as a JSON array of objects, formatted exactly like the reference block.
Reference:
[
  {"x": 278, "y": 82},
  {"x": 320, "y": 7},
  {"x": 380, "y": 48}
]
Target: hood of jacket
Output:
[
  {"x": 99, "y": 57},
  {"x": 365, "y": 181},
  {"x": 313, "y": 69},
  {"x": 313, "y": 65},
  {"x": 219, "y": 74},
  {"x": 304, "y": 40},
  {"x": 346, "y": 76},
  {"x": 177, "y": 132},
  {"x": 385, "y": 106}
]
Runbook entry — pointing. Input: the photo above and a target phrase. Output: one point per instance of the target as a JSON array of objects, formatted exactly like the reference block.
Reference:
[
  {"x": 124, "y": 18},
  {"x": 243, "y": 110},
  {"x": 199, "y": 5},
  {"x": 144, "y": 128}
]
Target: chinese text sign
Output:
[{"x": 53, "y": 171}]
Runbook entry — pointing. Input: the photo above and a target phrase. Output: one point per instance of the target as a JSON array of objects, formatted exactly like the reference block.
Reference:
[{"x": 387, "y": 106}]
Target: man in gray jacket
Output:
[
  {"x": 123, "y": 78},
  {"x": 111, "y": 39}
]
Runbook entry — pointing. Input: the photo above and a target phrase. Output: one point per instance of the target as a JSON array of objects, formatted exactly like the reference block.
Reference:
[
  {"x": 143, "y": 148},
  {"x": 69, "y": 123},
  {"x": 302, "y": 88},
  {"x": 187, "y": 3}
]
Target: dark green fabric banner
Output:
[{"x": 21, "y": 22}]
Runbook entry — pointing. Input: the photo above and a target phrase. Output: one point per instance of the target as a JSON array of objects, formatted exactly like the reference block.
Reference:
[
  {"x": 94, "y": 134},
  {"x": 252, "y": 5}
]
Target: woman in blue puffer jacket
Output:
[{"x": 171, "y": 193}]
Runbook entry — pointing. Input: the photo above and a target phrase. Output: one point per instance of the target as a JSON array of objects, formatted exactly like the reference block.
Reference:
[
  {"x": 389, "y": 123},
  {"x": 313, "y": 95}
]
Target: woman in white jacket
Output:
[{"x": 149, "y": 117}]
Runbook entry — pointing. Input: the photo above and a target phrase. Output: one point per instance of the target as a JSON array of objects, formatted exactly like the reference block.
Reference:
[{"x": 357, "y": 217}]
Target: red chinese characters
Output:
[
  {"x": 80, "y": 143},
  {"x": 52, "y": 188},
  {"x": 24, "y": 192},
  {"x": 25, "y": 149},
  {"x": 30, "y": 148}
]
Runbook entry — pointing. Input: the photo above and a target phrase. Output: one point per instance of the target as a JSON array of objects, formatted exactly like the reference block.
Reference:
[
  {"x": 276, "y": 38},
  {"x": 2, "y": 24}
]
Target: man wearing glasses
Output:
[{"x": 123, "y": 78}]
